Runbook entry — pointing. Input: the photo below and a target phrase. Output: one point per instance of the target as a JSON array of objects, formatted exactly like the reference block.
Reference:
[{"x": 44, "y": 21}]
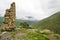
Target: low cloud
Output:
[{"x": 38, "y": 9}]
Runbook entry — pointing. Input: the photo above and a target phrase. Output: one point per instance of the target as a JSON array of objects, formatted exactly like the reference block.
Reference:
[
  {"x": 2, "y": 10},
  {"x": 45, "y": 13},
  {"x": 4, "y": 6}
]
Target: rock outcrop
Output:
[{"x": 9, "y": 18}]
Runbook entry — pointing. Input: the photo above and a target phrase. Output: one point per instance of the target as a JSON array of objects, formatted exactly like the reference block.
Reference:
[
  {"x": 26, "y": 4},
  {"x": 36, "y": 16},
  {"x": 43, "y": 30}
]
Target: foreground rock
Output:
[{"x": 29, "y": 34}]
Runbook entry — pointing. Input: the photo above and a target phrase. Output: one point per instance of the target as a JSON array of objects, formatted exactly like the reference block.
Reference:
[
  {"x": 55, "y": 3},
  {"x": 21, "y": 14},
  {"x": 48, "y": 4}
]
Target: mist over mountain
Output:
[{"x": 39, "y": 9}]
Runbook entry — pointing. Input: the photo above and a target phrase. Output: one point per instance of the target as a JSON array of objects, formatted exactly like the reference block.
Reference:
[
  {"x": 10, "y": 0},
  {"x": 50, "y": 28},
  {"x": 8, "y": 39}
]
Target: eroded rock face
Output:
[{"x": 9, "y": 18}]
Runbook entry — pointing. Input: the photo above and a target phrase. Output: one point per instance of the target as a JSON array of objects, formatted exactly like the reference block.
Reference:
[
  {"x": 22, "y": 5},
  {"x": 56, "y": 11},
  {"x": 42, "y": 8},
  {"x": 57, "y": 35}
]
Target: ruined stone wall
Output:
[{"x": 9, "y": 18}]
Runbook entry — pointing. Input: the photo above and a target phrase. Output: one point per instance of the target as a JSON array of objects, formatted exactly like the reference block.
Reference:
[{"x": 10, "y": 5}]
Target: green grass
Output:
[{"x": 37, "y": 35}]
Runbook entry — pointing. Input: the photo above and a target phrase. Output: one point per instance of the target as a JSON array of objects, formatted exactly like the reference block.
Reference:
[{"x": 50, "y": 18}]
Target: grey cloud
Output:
[{"x": 36, "y": 8}]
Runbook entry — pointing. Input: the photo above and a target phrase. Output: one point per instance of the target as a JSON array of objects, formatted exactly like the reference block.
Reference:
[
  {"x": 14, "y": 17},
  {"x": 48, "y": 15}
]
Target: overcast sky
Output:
[{"x": 37, "y": 9}]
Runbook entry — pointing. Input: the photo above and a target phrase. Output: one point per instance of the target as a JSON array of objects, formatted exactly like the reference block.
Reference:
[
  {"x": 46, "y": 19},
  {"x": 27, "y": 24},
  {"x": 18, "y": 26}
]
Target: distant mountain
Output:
[
  {"x": 52, "y": 23},
  {"x": 30, "y": 22},
  {"x": 18, "y": 21}
]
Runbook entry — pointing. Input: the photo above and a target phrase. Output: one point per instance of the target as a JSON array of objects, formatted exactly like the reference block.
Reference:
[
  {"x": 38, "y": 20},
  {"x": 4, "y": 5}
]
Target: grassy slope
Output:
[{"x": 52, "y": 23}]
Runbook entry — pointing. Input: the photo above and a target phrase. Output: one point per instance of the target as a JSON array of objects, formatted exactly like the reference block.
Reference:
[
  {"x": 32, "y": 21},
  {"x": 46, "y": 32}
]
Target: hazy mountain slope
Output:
[
  {"x": 1, "y": 20},
  {"x": 18, "y": 21},
  {"x": 52, "y": 23},
  {"x": 30, "y": 22}
]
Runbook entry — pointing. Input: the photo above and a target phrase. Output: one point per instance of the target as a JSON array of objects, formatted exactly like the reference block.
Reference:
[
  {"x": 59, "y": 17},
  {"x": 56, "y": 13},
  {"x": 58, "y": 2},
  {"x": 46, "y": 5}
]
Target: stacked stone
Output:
[{"x": 9, "y": 18}]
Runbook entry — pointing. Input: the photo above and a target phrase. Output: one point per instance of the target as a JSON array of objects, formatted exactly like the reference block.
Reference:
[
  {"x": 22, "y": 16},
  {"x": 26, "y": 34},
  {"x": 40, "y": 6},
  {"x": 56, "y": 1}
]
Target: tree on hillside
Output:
[{"x": 24, "y": 25}]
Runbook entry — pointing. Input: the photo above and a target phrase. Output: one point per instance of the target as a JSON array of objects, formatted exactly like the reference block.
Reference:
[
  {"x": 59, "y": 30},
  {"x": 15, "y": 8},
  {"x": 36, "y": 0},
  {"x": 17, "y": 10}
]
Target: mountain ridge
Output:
[{"x": 51, "y": 23}]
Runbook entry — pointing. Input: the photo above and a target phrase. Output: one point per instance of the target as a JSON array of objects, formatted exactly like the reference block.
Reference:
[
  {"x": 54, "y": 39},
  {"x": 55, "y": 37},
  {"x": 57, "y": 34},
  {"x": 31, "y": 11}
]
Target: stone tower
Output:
[{"x": 9, "y": 18}]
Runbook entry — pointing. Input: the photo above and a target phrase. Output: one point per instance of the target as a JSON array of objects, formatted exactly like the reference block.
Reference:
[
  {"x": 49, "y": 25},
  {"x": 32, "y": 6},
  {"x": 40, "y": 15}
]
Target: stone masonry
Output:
[{"x": 9, "y": 18}]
